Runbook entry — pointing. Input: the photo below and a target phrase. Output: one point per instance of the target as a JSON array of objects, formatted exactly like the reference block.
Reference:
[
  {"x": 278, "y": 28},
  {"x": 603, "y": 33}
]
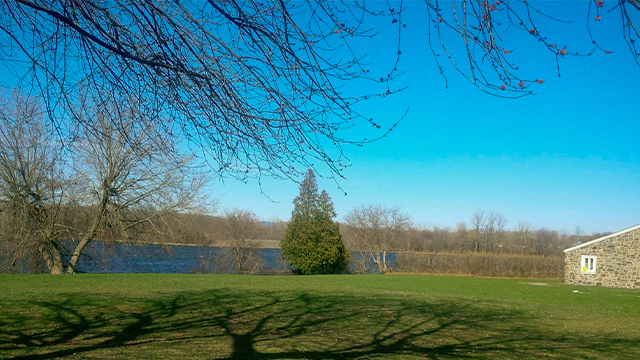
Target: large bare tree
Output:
[
  {"x": 134, "y": 178},
  {"x": 34, "y": 187},
  {"x": 118, "y": 180}
]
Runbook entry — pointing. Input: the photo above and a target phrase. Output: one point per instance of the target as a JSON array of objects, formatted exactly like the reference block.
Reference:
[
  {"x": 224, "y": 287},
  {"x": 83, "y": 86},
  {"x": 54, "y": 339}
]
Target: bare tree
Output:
[
  {"x": 461, "y": 235},
  {"x": 478, "y": 222},
  {"x": 33, "y": 185},
  {"x": 115, "y": 183},
  {"x": 254, "y": 86},
  {"x": 441, "y": 238},
  {"x": 493, "y": 231},
  {"x": 375, "y": 230},
  {"x": 524, "y": 236},
  {"x": 577, "y": 236},
  {"x": 488, "y": 230},
  {"x": 134, "y": 180},
  {"x": 241, "y": 227},
  {"x": 546, "y": 242}
]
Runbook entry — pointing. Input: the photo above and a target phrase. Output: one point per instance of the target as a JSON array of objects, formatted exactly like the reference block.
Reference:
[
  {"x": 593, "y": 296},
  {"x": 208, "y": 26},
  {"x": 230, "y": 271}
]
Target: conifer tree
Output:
[{"x": 312, "y": 243}]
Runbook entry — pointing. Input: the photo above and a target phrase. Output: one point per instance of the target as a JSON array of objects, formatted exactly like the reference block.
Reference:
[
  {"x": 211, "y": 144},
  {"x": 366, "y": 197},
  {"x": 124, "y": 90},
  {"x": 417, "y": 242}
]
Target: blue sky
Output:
[{"x": 568, "y": 156}]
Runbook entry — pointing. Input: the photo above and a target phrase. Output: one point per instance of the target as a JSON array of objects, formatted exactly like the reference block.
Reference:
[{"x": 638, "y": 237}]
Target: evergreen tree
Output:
[{"x": 312, "y": 243}]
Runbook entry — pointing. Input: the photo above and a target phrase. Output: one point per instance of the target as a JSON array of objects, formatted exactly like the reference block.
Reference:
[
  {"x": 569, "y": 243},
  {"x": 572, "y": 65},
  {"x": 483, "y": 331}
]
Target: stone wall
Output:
[{"x": 617, "y": 262}]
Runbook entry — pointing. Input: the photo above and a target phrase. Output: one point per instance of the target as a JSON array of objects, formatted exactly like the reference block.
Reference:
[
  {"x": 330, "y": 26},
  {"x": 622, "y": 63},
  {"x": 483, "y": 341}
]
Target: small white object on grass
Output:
[{"x": 576, "y": 291}]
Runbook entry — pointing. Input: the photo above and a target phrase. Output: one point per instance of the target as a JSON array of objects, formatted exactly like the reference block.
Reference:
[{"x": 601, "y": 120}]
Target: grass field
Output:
[{"x": 312, "y": 317}]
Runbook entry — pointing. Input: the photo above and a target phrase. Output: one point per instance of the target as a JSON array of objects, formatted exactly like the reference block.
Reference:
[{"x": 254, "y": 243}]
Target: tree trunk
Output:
[
  {"x": 52, "y": 258},
  {"x": 88, "y": 237},
  {"x": 71, "y": 268},
  {"x": 377, "y": 260},
  {"x": 384, "y": 261}
]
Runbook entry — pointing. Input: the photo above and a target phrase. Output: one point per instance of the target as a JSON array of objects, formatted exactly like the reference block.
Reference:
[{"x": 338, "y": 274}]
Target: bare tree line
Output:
[
  {"x": 390, "y": 230},
  {"x": 374, "y": 231},
  {"x": 525, "y": 240}
]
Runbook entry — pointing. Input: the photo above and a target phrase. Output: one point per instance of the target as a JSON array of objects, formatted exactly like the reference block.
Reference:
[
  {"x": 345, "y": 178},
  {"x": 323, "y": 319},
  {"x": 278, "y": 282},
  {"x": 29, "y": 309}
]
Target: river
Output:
[{"x": 152, "y": 258}]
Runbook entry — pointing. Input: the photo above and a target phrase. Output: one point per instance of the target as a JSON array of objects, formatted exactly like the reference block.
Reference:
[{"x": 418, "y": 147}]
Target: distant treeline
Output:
[
  {"x": 465, "y": 238},
  {"x": 524, "y": 241},
  {"x": 213, "y": 230}
]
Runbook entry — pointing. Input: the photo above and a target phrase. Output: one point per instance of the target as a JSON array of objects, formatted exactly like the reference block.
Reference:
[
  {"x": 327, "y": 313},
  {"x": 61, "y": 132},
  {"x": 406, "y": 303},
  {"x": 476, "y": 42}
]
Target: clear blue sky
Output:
[{"x": 568, "y": 156}]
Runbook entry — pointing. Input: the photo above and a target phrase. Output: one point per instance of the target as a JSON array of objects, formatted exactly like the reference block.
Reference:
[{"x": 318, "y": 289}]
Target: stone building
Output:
[{"x": 611, "y": 261}]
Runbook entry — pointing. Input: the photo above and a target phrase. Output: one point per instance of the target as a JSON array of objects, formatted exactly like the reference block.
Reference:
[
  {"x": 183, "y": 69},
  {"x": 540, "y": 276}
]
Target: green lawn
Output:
[{"x": 312, "y": 317}]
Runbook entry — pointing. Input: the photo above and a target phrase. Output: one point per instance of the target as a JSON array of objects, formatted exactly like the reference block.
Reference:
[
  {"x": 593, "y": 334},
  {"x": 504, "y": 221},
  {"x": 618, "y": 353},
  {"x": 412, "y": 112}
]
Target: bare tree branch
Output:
[{"x": 253, "y": 88}]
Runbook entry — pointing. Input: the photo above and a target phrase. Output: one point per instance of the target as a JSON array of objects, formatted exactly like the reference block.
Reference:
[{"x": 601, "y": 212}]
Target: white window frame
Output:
[{"x": 588, "y": 264}]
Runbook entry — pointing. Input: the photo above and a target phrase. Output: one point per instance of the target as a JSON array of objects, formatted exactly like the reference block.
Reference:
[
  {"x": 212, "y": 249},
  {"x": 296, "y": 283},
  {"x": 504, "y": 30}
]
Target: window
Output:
[{"x": 588, "y": 264}]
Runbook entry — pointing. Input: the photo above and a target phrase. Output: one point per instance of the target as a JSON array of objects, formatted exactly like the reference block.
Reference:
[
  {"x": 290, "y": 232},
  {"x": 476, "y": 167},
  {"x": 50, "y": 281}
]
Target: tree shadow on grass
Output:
[{"x": 233, "y": 324}]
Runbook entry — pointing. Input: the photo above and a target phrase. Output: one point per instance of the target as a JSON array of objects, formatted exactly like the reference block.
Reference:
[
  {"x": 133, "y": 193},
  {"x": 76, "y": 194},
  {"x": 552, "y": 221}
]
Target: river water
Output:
[{"x": 151, "y": 258}]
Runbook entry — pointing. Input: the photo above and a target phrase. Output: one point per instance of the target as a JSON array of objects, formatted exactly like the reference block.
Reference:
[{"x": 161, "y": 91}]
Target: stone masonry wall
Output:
[{"x": 617, "y": 262}]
